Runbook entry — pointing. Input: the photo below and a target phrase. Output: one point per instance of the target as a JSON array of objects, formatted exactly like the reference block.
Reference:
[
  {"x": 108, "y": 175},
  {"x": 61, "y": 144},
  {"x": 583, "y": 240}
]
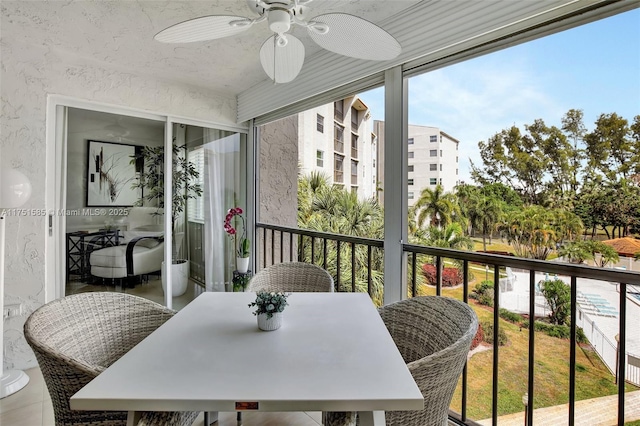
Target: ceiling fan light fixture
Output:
[{"x": 279, "y": 20}]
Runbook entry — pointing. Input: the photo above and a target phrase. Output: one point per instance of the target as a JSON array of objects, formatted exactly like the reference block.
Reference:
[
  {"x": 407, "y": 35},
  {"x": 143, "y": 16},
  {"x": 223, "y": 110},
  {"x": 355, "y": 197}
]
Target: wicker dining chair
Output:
[
  {"x": 77, "y": 337},
  {"x": 433, "y": 335},
  {"x": 292, "y": 277}
]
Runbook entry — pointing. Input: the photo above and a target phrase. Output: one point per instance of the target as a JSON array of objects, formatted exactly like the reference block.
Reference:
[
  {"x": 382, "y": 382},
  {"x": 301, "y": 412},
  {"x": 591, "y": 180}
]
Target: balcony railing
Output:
[{"x": 361, "y": 257}]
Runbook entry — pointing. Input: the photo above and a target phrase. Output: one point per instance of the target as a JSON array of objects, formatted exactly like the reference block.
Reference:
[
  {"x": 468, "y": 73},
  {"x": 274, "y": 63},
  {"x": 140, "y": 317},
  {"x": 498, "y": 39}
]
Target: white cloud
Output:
[{"x": 474, "y": 100}]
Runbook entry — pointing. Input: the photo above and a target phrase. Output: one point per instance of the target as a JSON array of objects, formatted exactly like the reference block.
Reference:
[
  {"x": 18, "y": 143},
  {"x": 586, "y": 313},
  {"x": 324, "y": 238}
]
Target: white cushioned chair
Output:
[{"x": 141, "y": 251}]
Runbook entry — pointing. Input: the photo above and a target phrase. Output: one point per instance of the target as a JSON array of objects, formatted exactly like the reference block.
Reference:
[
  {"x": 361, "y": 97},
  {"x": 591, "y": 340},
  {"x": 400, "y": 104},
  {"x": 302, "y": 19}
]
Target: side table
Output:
[
  {"x": 80, "y": 244},
  {"x": 241, "y": 279}
]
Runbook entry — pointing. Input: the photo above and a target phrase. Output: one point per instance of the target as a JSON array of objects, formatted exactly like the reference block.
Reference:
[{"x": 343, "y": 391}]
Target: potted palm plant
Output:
[{"x": 184, "y": 187}]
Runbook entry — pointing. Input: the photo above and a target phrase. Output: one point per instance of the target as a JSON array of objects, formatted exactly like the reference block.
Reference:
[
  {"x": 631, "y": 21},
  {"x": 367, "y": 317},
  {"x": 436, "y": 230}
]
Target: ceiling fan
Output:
[{"x": 282, "y": 54}]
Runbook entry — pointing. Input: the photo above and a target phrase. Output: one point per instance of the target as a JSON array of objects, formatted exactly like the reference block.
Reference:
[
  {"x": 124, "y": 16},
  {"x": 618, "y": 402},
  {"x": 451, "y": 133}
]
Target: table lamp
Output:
[{"x": 15, "y": 190}]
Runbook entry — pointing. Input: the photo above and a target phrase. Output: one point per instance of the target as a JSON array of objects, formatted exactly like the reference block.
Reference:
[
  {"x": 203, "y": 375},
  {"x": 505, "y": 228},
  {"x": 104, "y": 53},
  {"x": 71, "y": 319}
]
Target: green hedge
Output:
[{"x": 487, "y": 328}]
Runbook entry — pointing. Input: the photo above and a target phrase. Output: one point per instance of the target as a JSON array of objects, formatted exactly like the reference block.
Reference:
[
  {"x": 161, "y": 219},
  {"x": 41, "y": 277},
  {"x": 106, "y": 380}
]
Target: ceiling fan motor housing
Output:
[{"x": 279, "y": 20}]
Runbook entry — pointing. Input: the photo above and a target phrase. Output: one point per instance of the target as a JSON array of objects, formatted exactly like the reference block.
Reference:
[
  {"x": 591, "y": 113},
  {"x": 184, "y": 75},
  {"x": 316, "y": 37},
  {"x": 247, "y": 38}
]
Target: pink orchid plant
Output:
[{"x": 243, "y": 245}]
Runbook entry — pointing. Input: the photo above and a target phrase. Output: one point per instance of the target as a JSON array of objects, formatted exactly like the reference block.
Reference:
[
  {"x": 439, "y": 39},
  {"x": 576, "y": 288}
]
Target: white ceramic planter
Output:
[
  {"x": 242, "y": 263},
  {"x": 270, "y": 324},
  {"x": 179, "y": 278}
]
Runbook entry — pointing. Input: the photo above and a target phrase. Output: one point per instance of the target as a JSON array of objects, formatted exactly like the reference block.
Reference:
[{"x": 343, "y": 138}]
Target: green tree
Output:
[
  {"x": 558, "y": 297},
  {"x": 535, "y": 231},
  {"x": 451, "y": 237},
  {"x": 607, "y": 253},
  {"x": 609, "y": 148},
  {"x": 576, "y": 252},
  {"x": 574, "y": 128},
  {"x": 326, "y": 208},
  {"x": 485, "y": 214},
  {"x": 436, "y": 205}
]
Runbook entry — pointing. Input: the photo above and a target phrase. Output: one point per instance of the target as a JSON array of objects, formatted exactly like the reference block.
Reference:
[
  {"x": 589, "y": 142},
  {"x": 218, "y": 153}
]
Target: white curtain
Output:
[{"x": 222, "y": 190}]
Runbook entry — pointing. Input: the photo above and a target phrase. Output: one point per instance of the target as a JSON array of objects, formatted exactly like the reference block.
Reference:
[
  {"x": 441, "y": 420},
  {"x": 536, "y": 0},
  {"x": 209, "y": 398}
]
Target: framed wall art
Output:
[{"x": 111, "y": 174}]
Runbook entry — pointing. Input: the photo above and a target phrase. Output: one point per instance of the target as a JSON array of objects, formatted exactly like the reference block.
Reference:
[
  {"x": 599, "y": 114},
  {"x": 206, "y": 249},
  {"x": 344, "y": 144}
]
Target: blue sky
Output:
[{"x": 594, "y": 67}]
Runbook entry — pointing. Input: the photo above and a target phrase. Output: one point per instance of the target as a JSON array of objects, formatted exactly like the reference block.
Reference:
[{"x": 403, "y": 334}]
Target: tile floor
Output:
[
  {"x": 31, "y": 406},
  {"x": 151, "y": 289}
]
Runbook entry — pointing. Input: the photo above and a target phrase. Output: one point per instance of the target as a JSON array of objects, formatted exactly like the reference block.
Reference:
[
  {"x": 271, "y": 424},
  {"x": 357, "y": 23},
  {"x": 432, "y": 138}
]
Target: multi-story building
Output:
[
  {"x": 337, "y": 140},
  {"x": 432, "y": 160}
]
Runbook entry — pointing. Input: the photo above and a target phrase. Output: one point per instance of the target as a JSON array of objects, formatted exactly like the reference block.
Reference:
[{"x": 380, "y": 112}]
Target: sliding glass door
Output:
[{"x": 111, "y": 214}]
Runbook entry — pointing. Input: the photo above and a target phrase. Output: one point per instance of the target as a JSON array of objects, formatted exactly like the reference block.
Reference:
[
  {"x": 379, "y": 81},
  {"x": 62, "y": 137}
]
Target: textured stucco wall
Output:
[
  {"x": 278, "y": 172},
  {"x": 30, "y": 72}
]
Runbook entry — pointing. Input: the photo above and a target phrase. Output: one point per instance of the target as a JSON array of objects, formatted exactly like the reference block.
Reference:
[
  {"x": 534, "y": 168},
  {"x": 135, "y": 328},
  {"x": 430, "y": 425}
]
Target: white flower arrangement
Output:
[{"x": 269, "y": 303}]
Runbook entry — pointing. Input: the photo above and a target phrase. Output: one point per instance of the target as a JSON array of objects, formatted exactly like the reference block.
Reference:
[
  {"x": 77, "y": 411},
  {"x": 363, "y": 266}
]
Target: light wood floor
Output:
[{"x": 31, "y": 406}]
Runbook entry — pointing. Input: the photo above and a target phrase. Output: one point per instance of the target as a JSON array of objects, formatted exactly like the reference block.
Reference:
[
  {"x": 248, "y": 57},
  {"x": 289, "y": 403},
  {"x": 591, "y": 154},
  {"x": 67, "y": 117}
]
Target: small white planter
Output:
[
  {"x": 270, "y": 324},
  {"x": 242, "y": 263}
]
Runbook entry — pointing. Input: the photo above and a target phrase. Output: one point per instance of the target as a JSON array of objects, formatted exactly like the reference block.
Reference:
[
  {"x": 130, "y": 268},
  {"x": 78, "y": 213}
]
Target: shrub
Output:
[
  {"x": 558, "y": 297},
  {"x": 487, "y": 327},
  {"x": 483, "y": 293},
  {"x": 559, "y": 331},
  {"x": 450, "y": 276},
  {"x": 511, "y": 316},
  {"x": 478, "y": 338}
]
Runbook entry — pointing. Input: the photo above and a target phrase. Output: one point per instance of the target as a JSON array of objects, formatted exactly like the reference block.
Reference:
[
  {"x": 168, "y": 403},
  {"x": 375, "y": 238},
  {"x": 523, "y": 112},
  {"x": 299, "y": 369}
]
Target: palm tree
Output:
[
  {"x": 332, "y": 209},
  {"x": 436, "y": 205},
  {"x": 484, "y": 214},
  {"x": 451, "y": 237}
]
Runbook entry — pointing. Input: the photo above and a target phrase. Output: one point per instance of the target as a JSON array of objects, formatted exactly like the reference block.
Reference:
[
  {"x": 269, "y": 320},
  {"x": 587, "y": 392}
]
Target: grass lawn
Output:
[
  {"x": 593, "y": 379},
  {"x": 496, "y": 245}
]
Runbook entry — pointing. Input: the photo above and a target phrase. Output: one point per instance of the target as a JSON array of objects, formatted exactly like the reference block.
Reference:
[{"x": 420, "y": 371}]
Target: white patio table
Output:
[{"x": 332, "y": 353}]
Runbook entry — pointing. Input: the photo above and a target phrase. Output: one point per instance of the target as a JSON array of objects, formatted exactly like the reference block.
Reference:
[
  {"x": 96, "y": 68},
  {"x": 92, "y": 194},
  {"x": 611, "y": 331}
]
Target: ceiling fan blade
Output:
[
  {"x": 355, "y": 37},
  {"x": 204, "y": 28},
  {"x": 282, "y": 63}
]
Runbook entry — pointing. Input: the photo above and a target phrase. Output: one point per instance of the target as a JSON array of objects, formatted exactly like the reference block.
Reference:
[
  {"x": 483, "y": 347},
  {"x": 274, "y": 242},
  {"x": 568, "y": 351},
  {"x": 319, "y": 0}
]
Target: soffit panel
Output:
[{"x": 427, "y": 31}]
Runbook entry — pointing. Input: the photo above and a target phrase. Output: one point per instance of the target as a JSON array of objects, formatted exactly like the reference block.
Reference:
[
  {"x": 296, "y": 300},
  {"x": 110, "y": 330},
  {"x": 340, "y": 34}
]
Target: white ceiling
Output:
[{"x": 119, "y": 34}]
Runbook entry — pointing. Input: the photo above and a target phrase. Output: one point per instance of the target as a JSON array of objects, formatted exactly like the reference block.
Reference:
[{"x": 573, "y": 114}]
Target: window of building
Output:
[
  {"x": 338, "y": 110},
  {"x": 410, "y": 168},
  {"x": 433, "y": 138},
  {"x": 456, "y": 172},
  {"x": 354, "y": 119},
  {"x": 410, "y": 181},
  {"x": 440, "y": 153},
  {"x": 410, "y": 195},
  {"x": 410, "y": 154},
  {"x": 410, "y": 141},
  {"x": 433, "y": 153},
  {"x": 354, "y": 146},
  {"x": 354, "y": 172},
  {"x": 440, "y": 181},
  {"x": 338, "y": 168},
  {"x": 320, "y": 123},
  {"x": 440, "y": 167},
  {"x": 338, "y": 138},
  {"x": 320, "y": 158},
  {"x": 433, "y": 167},
  {"x": 354, "y": 190},
  {"x": 433, "y": 181},
  {"x": 456, "y": 158}
]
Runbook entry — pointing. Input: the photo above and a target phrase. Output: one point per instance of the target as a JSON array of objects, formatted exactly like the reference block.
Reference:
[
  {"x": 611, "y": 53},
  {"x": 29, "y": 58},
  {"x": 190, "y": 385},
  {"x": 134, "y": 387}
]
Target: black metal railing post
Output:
[
  {"x": 572, "y": 353},
  {"x": 496, "y": 327},
  {"x": 532, "y": 334}
]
